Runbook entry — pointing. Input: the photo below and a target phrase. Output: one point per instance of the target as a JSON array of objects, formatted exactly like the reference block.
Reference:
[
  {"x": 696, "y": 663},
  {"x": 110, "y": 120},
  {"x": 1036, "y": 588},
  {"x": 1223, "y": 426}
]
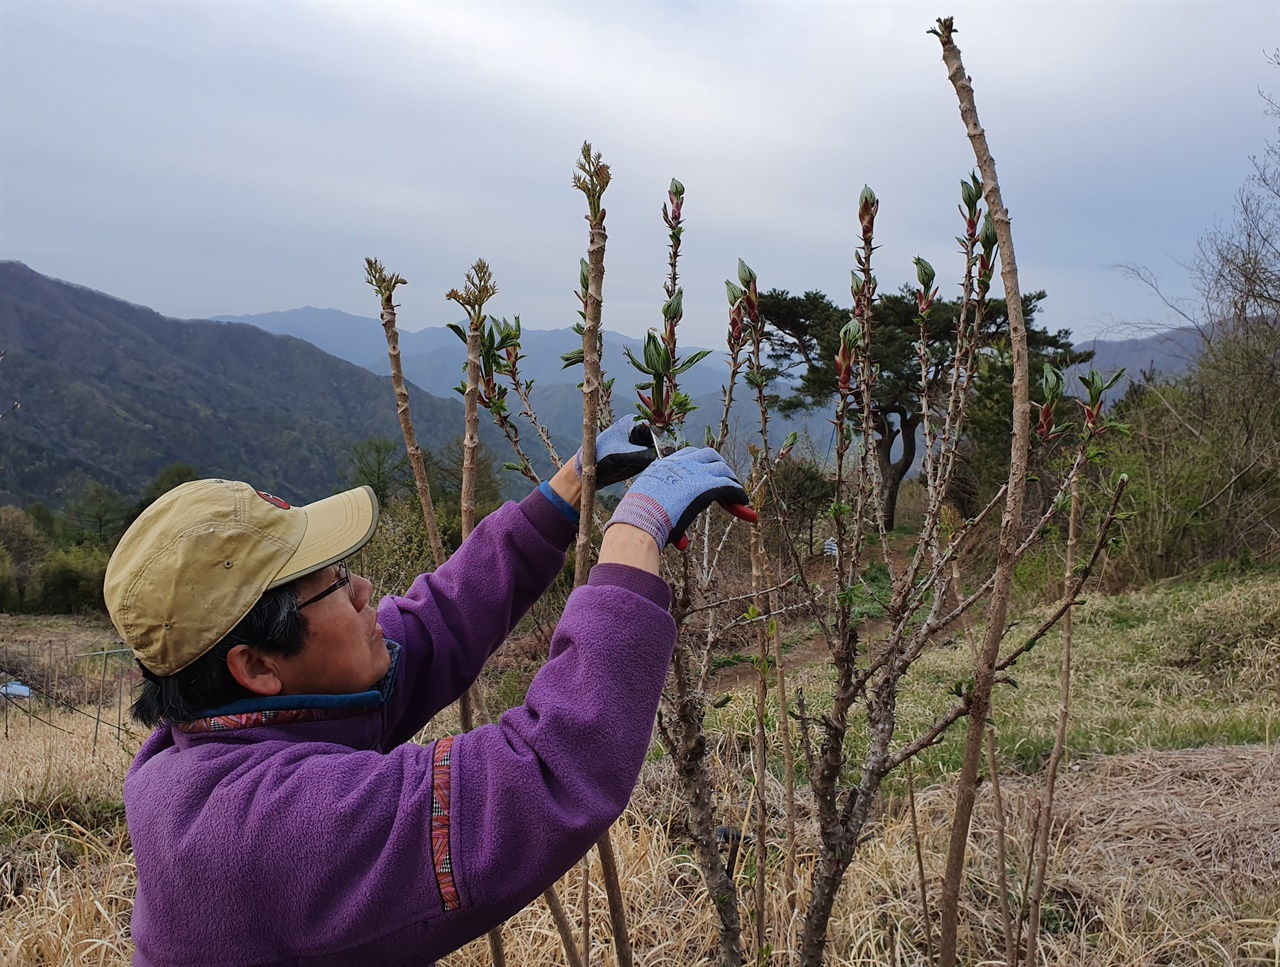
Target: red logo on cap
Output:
[{"x": 272, "y": 499}]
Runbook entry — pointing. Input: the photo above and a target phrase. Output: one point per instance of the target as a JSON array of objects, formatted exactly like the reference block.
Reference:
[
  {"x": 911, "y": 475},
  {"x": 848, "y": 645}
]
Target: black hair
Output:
[{"x": 274, "y": 625}]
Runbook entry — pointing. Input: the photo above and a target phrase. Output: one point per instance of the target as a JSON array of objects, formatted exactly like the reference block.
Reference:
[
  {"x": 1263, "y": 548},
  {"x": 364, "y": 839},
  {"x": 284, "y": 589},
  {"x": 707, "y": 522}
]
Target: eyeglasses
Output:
[{"x": 344, "y": 581}]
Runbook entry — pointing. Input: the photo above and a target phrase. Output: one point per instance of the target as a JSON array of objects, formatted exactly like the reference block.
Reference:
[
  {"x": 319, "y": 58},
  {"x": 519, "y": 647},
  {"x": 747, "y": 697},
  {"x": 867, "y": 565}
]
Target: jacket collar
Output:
[{"x": 251, "y": 718}]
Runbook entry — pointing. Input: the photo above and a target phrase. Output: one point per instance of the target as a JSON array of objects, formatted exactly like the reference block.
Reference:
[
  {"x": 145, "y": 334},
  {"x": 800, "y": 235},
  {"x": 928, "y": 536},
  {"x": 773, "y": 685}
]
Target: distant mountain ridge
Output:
[
  {"x": 433, "y": 358},
  {"x": 115, "y": 392},
  {"x": 1169, "y": 352}
]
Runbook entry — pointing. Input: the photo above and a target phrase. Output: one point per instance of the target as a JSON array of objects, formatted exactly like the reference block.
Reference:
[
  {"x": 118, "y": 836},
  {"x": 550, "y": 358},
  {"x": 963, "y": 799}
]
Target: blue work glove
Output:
[
  {"x": 622, "y": 451},
  {"x": 665, "y": 498}
]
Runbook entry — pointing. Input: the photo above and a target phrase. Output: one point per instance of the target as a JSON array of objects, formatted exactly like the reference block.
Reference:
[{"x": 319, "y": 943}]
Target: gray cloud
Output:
[{"x": 206, "y": 158}]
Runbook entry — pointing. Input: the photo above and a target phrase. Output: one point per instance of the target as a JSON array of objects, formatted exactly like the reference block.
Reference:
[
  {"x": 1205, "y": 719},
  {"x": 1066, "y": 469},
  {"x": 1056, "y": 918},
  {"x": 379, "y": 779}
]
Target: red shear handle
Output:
[{"x": 740, "y": 511}]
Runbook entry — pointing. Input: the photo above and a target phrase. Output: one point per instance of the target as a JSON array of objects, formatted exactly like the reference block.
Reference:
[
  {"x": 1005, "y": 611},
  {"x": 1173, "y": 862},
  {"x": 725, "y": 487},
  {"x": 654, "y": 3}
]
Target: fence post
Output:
[{"x": 102, "y": 685}]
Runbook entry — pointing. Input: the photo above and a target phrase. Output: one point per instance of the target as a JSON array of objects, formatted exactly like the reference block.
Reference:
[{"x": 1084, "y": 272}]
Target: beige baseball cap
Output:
[{"x": 198, "y": 559}]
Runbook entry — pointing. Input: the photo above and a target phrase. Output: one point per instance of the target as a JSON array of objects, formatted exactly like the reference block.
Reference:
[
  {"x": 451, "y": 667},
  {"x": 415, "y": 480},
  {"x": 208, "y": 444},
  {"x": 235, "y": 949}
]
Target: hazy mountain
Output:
[
  {"x": 433, "y": 358},
  {"x": 354, "y": 338},
  {"x": 1169, "y": 353},
  {"x": 115, "y": 392}
]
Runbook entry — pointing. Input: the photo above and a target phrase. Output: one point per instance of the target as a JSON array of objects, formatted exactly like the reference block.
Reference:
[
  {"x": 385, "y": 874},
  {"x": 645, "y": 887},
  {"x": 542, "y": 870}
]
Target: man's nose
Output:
[{"x": 364, "y": 591}]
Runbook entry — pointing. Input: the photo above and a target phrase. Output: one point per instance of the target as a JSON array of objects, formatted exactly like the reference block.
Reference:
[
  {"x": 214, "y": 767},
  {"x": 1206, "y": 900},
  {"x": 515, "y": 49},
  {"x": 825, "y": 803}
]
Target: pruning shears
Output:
[{"x": 666, "y": 441}]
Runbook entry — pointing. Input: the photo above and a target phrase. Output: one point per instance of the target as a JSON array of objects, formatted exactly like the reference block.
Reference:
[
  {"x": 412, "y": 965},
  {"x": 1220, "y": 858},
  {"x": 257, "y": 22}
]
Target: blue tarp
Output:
[{"x": 15, "y": 690}]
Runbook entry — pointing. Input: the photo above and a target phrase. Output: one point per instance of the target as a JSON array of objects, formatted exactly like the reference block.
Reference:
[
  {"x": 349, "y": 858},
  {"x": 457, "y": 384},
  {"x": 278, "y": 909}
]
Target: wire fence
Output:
[{"x": 96, "y": 681}]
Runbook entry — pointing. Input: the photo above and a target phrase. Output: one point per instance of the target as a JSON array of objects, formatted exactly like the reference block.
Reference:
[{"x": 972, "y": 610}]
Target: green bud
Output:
[
  {"x": 987, "y": 237},
  {"x": 1052, "y": 382},
  {"x": 745, "y": 275},
  {"x": 653, "y": 353},
  {"x": 924, "y": 273},
  {"x": 676, "y": 189},
  {"x": 733, "y": 291},
  {"x": 673, "y": 308}
]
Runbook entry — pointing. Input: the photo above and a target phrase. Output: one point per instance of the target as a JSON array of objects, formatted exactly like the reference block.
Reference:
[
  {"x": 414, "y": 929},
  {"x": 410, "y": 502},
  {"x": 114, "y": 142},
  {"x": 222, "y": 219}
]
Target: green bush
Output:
[
  {"x": 8, "y": 586},
  {"x": 399, "y": 551},
  {"x": 70, "y": 581}
]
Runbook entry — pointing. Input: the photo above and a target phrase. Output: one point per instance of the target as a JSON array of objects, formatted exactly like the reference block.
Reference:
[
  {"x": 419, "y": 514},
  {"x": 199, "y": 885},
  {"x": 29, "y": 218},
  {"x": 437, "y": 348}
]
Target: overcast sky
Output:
[{"x": 244, "y": 157}]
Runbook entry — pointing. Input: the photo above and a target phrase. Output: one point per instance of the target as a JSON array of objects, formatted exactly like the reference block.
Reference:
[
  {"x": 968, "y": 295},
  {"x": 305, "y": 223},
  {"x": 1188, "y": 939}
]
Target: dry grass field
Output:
[{"x": 1166, "y": 831}]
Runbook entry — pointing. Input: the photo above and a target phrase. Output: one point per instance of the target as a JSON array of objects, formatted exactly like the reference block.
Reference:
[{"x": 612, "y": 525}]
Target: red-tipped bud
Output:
[
  {"x": 1044, "y": 425},
  {"x": 868, "y": 205},
  {"x": 925, "y": 302},
  {"x": 792, "y": 438},
  {"x": 844, "y": 366},
  {"x": 735, "y": 324}
]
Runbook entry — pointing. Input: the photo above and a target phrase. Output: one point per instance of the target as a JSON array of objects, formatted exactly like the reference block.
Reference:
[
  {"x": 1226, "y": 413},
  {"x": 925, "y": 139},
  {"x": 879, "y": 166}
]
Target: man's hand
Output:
[
  {"x": 664, "y": 500},
  {"x": 622, "y": 451}
]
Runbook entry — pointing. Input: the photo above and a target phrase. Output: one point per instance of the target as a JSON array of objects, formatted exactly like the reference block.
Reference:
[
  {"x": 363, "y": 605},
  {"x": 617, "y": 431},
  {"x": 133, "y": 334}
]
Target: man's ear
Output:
[{"x": 256, "y": 672}]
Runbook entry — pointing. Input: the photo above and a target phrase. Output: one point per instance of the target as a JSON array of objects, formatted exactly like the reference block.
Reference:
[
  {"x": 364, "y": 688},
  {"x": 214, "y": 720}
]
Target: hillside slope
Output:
[{"x": 115, "y": 391}]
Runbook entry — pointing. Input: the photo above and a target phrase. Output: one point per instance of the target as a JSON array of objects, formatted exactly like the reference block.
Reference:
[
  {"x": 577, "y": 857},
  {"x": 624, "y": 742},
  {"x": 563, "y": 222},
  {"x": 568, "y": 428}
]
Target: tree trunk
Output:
[
  {"x": 1040, "y": 852},
  {"x": 897, "y": 471},
  {"x": 471, "y": 435},
  {"x": 590, "y": 419},
  {"x": 885, "y": 437},
  {"x": 761, "y": 740},
  {"x": 997, "y": 611},
  {"x": 826, "y": 883},
  {"x": 386, "y": 290},
  {"x": 592, "y": 183},
  {"x": 687, "y": 743}
]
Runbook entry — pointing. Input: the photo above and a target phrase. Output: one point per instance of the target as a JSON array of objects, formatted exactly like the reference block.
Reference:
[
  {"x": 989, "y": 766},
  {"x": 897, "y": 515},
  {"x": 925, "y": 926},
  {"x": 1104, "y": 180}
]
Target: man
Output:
[{"x": 279, "y": 814}]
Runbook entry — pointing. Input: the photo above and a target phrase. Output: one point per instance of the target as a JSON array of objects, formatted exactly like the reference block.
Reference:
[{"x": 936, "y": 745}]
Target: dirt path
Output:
[
  {"x": 814, "y": 651},
  {"x": 804, "y": 655}
]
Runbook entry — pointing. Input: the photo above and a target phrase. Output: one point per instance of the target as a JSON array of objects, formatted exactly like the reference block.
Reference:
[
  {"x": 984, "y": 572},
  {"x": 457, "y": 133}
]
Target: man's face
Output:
[{"x": 344, "y": 651}]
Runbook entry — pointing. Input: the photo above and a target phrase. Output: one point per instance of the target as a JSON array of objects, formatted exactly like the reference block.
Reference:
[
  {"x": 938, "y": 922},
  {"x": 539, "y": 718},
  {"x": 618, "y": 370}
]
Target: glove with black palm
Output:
[
  {"x": 664, "y": 500},
  {"x": 622, "y": 450}
]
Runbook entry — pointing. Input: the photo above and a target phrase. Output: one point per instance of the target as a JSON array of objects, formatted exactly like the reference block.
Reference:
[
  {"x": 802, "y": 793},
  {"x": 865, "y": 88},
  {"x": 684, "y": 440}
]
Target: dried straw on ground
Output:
[{"x": 1161, "y": 858}]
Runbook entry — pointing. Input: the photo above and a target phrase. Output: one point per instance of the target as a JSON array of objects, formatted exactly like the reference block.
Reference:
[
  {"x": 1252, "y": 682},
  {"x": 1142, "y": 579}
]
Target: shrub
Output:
[
  {"x": 399, "y": 551},
  {"x": 70, "y": 581},
  {"x": 26, "y": 547},
  {"x": 8, "y": 586}
]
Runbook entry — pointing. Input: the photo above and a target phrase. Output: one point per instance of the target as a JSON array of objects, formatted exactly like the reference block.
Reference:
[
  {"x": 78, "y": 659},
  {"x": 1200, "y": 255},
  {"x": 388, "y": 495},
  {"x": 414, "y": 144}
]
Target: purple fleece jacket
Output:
[{"x": 308, "y": 830}]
